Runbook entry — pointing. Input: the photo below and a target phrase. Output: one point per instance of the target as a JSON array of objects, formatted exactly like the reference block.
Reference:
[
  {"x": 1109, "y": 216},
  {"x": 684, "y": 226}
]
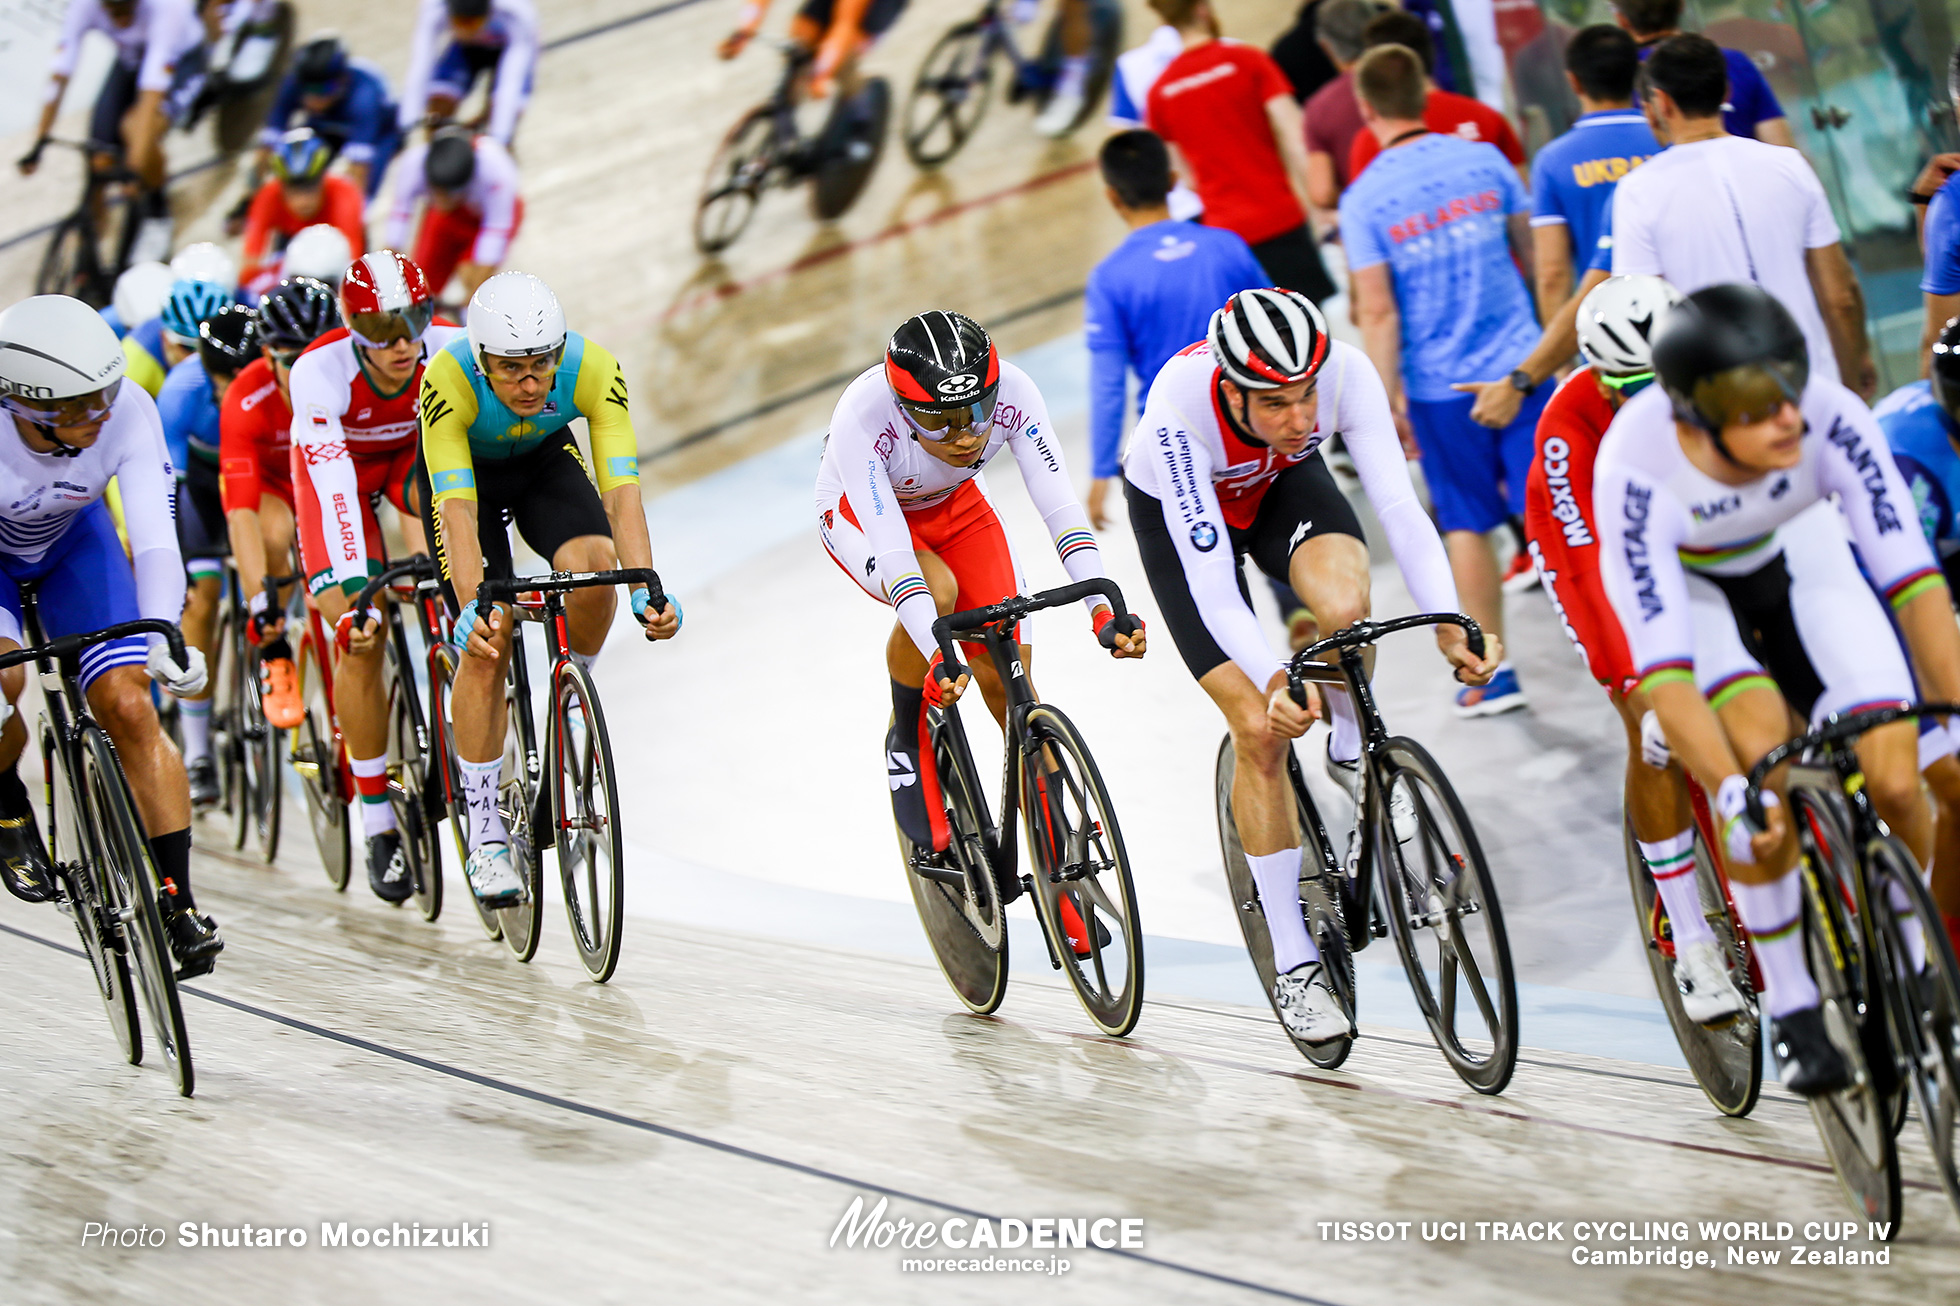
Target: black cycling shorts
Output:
[
  {"x": 1303, "y": 502},
  {"x": 201, "y": 529},
  {"x": 116, "y": 98},
  {"x": 546, "y": 492},
  {"x": 878, "y": 17}
]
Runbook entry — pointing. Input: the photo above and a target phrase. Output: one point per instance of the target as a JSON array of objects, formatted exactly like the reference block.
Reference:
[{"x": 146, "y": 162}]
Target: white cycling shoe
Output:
[
  {"x": 1060, "y": 115},
  {"x": 493, "y": 878},
  {"x": 1308, "y": 1007},
  {"x": 1708, "y": 995}
]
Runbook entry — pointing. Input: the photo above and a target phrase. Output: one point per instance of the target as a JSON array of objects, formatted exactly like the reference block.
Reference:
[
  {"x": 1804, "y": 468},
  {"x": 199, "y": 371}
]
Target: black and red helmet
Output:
[{"x": 940, "y": 362}]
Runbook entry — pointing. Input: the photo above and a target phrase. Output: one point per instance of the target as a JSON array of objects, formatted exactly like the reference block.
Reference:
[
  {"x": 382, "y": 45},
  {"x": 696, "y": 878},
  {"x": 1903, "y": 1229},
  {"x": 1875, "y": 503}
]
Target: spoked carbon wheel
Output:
[
  {"x": 1323, "y": 913},
  {"x": 949, "y": 97},
  {"x": 1726, "y": 1062},
  {"x": 316, "y": 758},
  {"x": 1435, "y": 889},
  {"x": 408, "y": 771},
  {"x": 517, "y": 792},
  {"x": 585, "y": 809},
  {"x": 1925, "y": 1002},
  {"x": 735, "y": 182},
  {"x": 442, "y": 739},
  {"x": 264, "y": 748},
  {"x": 88, "y": 907},
  {"x": 853, "y": 142},
  {"x": 1082, "y": 881},
  {"x": 129, "y": 881},
  {"x": 955, "y": 891}
]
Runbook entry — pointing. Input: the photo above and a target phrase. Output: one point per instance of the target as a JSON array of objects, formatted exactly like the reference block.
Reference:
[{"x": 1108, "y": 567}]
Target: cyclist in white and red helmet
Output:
[
  {"x": 1223, "y": 466},
  {"x": 355, "y": 423}
]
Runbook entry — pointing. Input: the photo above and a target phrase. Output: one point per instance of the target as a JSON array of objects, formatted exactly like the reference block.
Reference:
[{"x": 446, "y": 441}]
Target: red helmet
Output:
[
  {"x": 944, "y": 370},
  {"x": 385, "y": 298}
]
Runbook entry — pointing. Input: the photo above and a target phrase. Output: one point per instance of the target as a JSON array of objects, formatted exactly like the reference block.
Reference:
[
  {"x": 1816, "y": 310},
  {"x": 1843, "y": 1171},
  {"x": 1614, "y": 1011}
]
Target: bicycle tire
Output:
[
  {"x": 264, "y": 754},
  {"x": 442, "y": 741},
  {"x": 580, "y": 763},
  {"x": 1453, "y": 885},
  {"x": 1853, "y": 1123},
  {"x": 1323, "y": 914},
  {"x": 131, "y": 882},
  {"x": 316, "y": 758},
  {"x": 68, "y": 267},
  {"x": 955, "y": 83},
  {"x": 965, "y": 926},
  {"x": 1727, "y": 1062},
  {"x": 1927, "y": 1035},
  {"x": 1093, "y": 859},
  {"x": 517, "y": 795},
  {"x": 407, "y": 771},
  {"x": 108, "y": 960},
  {"x": 855, "y": 146},
  {"x": 232, "y": 728},
  {"x": 1105, "y": 43},
  {"x": 737, "y": 175}
]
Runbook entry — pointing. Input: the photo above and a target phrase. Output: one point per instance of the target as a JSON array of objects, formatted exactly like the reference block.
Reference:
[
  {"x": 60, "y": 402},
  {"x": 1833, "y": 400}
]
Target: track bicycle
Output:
[
  {"x": 1080, "y": 867},
  {"x": 767, "y": 149},
  {"x": 91, "y": 247},
  {"x": 1415, "y": 871},
  {"x": 1899, "y": 1030},
  {"x": 251, "y": 749},
  {"x": 955, "y": 84},
  {"x": 106, "y": 881},
  {"x": 318, "y": 753}
]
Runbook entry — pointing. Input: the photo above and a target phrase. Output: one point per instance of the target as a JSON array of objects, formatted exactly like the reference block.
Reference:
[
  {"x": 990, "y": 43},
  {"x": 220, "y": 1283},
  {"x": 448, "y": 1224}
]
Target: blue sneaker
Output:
[{"x": 1500, "y": 695}]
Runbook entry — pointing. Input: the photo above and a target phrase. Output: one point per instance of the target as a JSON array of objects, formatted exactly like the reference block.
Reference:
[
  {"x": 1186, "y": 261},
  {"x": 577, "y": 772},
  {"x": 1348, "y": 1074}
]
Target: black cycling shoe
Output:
[
  {"x": 388, "y": 869},
  {"x": 194, "y": 942},
  {"x": 204, "y": 781},
  {"x": 24, "y": 860},
  {"x": 1809, "y": 1064}
]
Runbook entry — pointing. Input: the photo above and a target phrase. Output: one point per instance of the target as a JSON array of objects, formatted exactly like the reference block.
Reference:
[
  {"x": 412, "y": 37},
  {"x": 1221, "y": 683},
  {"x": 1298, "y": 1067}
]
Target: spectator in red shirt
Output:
[
  {"x": 1444, "y": 111},
  {"x": 1333, "y": 114},
  {"x": 297, "y": 195},
  {"x": 1229, "y": 112}
]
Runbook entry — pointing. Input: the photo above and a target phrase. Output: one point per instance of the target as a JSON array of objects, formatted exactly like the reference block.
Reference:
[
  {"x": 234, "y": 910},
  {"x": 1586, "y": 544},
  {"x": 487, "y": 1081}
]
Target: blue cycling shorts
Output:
[{"x": 84, "y": 584}]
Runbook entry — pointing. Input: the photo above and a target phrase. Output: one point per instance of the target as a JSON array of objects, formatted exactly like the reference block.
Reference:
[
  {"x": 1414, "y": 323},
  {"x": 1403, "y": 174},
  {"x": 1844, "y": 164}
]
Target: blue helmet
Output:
[
  {"x": 301, "y": 157},
  {"x": 190, "y": 305}
]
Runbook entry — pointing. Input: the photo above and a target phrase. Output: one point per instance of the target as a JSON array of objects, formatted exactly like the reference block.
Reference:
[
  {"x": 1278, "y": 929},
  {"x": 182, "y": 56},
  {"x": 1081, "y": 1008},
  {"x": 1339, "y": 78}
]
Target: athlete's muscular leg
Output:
[
  {"x": 1889, "y": 757},
  {"x": 1657, "y": 800},
  {"x": 477, "y": 704},
  {"x": 1261, "y": 804},
  {"x": 200, "y": 625},
  {"x": 1330, "y": 574},
  {"x": 1076, "y": 29},
  {"x": 13, "y": 681},
  {"x": 358, "y": 697},
  {"x": 908, "y": 666},
  {"x": 1756, "y": 720},
  {"x": 588, "y": 612},
  {"x": 120, "y": 700},
  {"x": 1943, "y": 777}
]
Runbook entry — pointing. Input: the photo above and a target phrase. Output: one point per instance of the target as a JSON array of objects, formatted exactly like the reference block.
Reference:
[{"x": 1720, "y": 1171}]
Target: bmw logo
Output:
[
  {"x": 954, "y": 386},
  {"x": 1205, "y": 536}
]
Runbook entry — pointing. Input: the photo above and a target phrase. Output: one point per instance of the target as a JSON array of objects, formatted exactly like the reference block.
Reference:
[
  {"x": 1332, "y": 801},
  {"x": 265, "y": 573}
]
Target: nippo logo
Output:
[{"x": 955, "y": 386}]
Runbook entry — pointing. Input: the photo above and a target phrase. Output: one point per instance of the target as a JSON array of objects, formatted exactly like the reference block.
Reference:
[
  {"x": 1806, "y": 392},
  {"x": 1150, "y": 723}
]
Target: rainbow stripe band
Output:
[
  {"x": 910, "y": 585},
  {"x": 1726, "y": 691},
  {"x": 1912, "y": 585},
  {"x": 1715, "y": 557},
  {"x": 1781, "y": 932},
  {"x": 1073, "y": 542},
  {"x": 1662, "y": 673}
]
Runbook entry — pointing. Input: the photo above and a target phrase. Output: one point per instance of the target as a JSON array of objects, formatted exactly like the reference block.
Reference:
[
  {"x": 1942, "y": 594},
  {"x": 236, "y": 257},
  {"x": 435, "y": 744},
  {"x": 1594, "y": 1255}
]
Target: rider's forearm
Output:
[
  {"x": 1694, "y": 733},
  {"x": 461, "y": 554},
  {"x": 51, "y": 108},
  {"x": 628, "y": 517},
  {"x": 1934, "y": 639},
  {"x": 1561, "y": 338},
  {"x": 247, "y": 548}
]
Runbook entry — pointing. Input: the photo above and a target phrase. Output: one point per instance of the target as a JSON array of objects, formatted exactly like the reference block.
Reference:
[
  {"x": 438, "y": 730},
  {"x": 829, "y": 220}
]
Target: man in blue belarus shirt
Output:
[{"x": 1431, "y": 230}]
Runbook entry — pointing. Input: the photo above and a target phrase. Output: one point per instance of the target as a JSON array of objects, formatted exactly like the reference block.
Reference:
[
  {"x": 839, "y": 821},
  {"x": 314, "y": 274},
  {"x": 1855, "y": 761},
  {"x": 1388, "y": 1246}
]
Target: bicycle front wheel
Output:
[
  {"x": 407, "y": 772},
  {"x": 1082, "y": 870},
  {"x": 517, "y": 793},
  {"x": 68, "y": 266},
  {"x": 130, "y": 879},
  {"x": 83, "y": 886},
  {"x": 735, "y": 180},
  {"x": 316, "y": 757},
  {"x": 1436, "y": 891},
  {"x": 955, "y": 892},
  {"x": 585, "y": 810},
  {"x": 950, "y": 95},
  {"x": 444, "y": 770}
]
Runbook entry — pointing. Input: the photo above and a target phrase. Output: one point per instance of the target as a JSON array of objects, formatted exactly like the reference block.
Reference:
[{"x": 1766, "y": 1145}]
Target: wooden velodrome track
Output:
[{"x": 694, "y": 1130}]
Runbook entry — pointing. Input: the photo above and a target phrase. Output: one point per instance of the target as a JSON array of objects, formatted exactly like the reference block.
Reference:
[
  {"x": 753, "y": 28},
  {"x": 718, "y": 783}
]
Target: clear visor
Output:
[
  {"x": 1745, "y": 395},
  {"x": 939, "y": 424},
  {"x": 75, "y": 410},
  {"x": 378, "y": 330},
  {"x": 515, "y": 367}
]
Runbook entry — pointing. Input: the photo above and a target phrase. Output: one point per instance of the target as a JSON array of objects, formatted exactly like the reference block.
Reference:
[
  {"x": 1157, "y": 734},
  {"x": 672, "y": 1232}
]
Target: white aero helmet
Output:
[
  {"x": 60, "y": 363},
  {"x": 320, "y": 251},
  {"x": 206, "y": 262},
  {"x": 515, "y": 315},
  {"x": 1617, "y": 322},
  {"x": 140, "y": 292}
]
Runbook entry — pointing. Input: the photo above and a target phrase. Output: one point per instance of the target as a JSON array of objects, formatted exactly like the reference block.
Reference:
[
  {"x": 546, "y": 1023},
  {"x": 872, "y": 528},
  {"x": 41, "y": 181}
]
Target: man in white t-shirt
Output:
[{"x": 1717, "y": 208}]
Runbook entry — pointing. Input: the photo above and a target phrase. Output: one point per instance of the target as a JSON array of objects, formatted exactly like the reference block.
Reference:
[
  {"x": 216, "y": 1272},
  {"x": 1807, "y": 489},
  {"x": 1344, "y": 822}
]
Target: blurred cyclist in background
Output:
[
  {"x": 298, "y": 195},
  {"x": 494, "y": 37},
  {"x": 473, "y": 213},
  {"x": 320, "y": 252},
  {"x": 345, "y": 102},
  {"x": 838, "y": 32}
]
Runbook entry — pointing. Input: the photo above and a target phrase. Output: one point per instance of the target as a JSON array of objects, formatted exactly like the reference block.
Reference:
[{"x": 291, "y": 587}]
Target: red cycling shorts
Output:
[{"x": 380, "y": 476}]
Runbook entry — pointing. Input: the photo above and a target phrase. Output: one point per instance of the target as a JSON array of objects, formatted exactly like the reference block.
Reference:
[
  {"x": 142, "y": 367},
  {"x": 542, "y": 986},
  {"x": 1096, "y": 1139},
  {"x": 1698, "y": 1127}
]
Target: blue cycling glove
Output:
[
  {"x": 459, "y": 634},
  {"x": 642, "y": 599}
]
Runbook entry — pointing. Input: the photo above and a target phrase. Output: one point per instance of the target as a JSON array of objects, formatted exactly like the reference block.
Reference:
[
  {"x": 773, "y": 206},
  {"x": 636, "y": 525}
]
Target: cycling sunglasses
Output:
[
  {"x": 74, "y": 410},
  {"x": 942, "y": 424},
  {"x": 379, "y": 330},
  {"x": 1753, "y": 393},
  {"x": 1629, "y": 385}
]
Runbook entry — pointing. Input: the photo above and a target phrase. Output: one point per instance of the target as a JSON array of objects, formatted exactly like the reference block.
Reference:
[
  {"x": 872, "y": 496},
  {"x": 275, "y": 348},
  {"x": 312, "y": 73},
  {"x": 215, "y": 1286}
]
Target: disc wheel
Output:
[
  {"x": 1105, "y": 43},
  {"x": 129, "y": 880},
  {"x": 240, "y": 117},
  {"x": 1436, "y": 891},
  {"x": 1726, "y": 1062},
  {"x": 1081, "y": 869},
  {"x": 585, "y": 810},
  {"x": 442, "y": 672},
  {"x": 852, "y": 143},
  {"x": 107, "y": 959},
  {"x": 736, "y": 178},
  {"x": 407, "y": 772},
  {"x": 949, "y": 97},
  {"x": 316, "y": 758},
  {"x": 1317, "y": 903},
  {"x": 956, "y": 892},
  {"x": 517, "y": 791}
]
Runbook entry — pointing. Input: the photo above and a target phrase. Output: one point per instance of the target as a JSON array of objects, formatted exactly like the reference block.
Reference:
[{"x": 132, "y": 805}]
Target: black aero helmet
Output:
[
  {"x": 451, "y": 161},
  {"x": 940, "y": 365},
  {"x": 1730, "y": 353},
  {"x": 295, "y": 313},
  {"x": 228, "y": 340},
  {"x": 319, "y": 64},
  {"x": 1945, "y": 369}
]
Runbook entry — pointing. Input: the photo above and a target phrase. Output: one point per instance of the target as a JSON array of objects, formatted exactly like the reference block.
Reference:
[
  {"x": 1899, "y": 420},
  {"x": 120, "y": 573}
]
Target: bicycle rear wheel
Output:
[
  {"x": 955, "y": 892},
  {"x": 130, "y": 883},
  {"x": 517, "y": 794},
  {"x": 445, "y": 772},
  {"x": 1726, "y": 1062},
  {"x": 585, "y": 810},
  {"x": 68, "y": 265},
  {"x": 407, "y": 772},
  {"x": 107, "y": 960},
  {"x": 316, "y": 757},
  {"x": 264, "y": 751},
  {"x": 736, "y": 177},
  {"x": 1436, "y": 891},
  {"x": 949, "y": 96}
]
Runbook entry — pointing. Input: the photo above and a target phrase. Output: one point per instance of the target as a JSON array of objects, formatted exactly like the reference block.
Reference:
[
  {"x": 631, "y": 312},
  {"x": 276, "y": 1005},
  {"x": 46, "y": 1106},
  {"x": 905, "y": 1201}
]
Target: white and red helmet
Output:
[
  {"x": 385, "y": 298},
  {"x": 1267, "y": 338}
]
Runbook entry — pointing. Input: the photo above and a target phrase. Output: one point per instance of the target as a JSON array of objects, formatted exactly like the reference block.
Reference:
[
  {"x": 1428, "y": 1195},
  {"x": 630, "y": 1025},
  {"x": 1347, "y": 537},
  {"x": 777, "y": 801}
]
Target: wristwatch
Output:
[{"x": 1521, "y": 381}]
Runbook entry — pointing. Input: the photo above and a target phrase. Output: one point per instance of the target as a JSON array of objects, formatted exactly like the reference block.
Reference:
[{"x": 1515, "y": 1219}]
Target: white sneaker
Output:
[
  {"x": 1708, "y": 995},
  {"x": 493, "y": 879},
  {"x": 1060, "y": 115},
  {"x": 1308, "y": 1007}
]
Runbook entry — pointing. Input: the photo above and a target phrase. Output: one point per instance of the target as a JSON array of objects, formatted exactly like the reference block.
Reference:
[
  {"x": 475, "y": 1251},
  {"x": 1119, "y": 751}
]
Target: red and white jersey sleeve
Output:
[{"x": 491, "y": 195}]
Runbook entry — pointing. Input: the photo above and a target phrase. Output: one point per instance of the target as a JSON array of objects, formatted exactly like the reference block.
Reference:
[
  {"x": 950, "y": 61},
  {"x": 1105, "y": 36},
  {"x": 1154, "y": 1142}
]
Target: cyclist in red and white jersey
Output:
[
  {"x": 1222, "y": 465},
  {"x": 355, "y": 425},
  {"x": 903, "y": 509}
]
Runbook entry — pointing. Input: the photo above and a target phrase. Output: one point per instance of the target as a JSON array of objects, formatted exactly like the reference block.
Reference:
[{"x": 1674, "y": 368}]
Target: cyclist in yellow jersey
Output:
[{"x": 497, "y": 447}]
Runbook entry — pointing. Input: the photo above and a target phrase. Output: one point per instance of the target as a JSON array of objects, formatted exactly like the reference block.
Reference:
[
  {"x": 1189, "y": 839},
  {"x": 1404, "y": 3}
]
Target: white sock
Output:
[
  {"x": 1915, "y": 938},
  {"x": 1672, "y": 864},
  {"x": 1344, "y": 743},
  {"x": 1773, "y": 914},
  {"x": 586, "y": 660},
  {"x": 1278, "y": 878},
  {"x": 1074, "y": 76},
  {"x": 480, "y": 787},
  {"x": 194, "y": 719},
  {"x": 377, "y": 813}
]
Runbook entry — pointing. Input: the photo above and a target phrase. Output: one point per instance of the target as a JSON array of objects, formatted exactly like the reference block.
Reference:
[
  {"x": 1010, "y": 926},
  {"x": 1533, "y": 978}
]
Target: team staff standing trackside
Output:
[
  {"x": 1443, "y": 111},
  {"x": 1749, "y": 109},
  {"x": 497, "y": 447},
  {"x": 473, "y": 209}
]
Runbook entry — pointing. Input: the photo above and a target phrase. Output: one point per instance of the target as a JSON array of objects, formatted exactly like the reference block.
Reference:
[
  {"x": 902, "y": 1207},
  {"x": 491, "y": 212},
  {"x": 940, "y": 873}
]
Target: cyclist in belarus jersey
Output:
[
  {"x": 1701, "y": 492},
  {"x": 70, "y": 425},
  {"x": 903, "y": 508},
  {"x": 354, "y": 393},
  {"x": 497, "y": 446},
  {"x": 836, "y": 32},
  {"x": 1224, "y": 465}
]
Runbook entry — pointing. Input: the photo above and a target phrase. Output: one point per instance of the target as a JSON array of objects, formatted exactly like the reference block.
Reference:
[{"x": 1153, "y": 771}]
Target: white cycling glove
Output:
[
  {"x": 1732, "y": 810},
  {"x": 181, "y": 681},
  {"x": 1025, "y": 11},
  {"x": 1653, "y": 742}
]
